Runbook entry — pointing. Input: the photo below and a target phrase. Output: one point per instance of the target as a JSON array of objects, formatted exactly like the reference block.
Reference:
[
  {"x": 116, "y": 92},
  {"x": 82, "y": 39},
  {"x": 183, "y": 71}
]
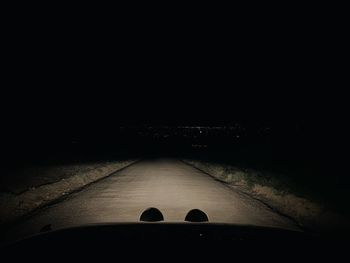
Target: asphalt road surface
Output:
[{"x": 169, "y": 185}]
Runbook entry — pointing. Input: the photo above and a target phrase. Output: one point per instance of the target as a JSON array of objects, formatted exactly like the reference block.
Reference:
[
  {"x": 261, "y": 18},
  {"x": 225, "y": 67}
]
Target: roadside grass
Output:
[{"x": 278, "y": 190}]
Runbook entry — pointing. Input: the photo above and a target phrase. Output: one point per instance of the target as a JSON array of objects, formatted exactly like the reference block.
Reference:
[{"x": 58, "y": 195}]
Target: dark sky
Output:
[
  {"x": 90, "y": 100},
  {"x": 74, "y": 78}
]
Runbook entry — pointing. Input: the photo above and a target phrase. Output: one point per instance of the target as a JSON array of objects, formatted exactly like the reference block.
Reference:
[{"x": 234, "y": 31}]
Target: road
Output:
[{"x": 167, "y": 184}]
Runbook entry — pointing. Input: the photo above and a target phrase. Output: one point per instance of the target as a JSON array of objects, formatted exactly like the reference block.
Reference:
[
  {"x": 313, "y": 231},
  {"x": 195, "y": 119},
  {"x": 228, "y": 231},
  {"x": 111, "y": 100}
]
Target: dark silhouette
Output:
[
  {"x": 152, "y": 215},
  {"x": 196, "y": 215}
]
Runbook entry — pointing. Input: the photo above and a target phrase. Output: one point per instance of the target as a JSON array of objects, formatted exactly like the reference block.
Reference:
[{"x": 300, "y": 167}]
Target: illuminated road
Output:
[{"x": 170, "y": 185}]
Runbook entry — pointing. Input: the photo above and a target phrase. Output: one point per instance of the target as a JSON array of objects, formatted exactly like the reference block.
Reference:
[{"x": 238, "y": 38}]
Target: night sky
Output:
[{"x": 66, "y": 82}]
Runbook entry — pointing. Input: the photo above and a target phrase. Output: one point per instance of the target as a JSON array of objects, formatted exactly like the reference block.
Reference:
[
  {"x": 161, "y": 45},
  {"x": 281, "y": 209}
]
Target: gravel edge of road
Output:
[
  {"x": 321, "y": 220},
  {"x": 15, "y": 207}
]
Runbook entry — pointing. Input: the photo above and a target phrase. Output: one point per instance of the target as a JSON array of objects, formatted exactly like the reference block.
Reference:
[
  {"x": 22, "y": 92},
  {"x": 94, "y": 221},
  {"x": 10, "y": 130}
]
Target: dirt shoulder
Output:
[
  {"x": 40, "y": 186},
  {"x": 276, "y": 194}
]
